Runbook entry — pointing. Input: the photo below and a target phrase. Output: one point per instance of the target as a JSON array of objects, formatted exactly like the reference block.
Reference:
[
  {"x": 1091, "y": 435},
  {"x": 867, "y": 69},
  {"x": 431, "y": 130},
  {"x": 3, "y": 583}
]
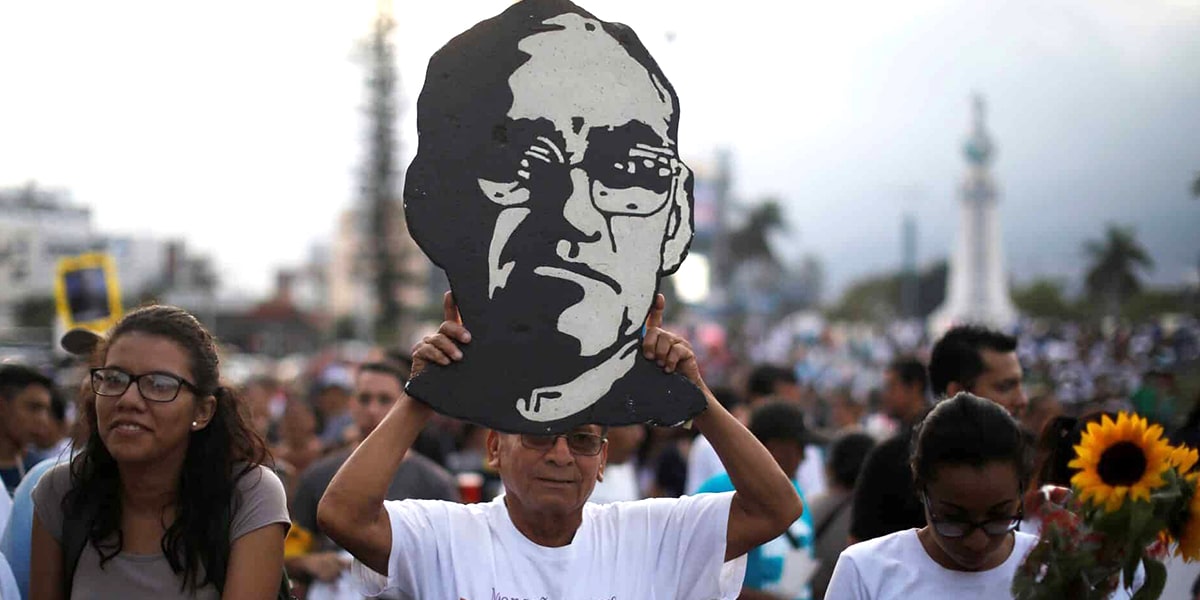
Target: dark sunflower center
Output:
[{"x": 1123, "y": 463}]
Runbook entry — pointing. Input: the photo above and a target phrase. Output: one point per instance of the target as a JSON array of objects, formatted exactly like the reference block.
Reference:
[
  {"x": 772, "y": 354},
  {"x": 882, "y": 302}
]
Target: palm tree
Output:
[
  {"x": 749, "y": 242},
  {"x": 1116, "y": 262}
]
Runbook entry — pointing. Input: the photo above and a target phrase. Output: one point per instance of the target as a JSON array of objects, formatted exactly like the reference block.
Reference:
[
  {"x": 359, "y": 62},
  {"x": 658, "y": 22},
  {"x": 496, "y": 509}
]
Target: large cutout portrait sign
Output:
[{"x": 548, "y": 185}]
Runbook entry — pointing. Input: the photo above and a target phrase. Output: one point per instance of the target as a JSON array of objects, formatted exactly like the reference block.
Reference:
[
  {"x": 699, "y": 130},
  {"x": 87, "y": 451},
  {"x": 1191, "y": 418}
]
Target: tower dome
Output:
[{"x": 978, "y": 147}]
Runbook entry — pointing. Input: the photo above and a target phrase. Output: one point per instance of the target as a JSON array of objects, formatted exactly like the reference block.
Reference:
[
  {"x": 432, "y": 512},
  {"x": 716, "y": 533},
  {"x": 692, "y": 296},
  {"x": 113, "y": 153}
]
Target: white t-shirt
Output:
[
  {"x": 897, "y": 567},
  {"x": 656, "y": 549}
]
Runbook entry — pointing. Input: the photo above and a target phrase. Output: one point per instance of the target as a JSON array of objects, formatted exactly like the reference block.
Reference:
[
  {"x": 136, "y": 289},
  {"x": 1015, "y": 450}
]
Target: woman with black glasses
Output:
[
  {"x": 969, "y": 462},
  {"x": 168, "y": 498}
]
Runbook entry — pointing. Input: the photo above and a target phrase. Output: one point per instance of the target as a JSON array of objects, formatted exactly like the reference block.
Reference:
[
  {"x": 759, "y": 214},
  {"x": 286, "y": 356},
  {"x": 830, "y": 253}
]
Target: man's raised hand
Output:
[
  {"x": 672, "y": 352},
  {"x": 442, "y": 347}
]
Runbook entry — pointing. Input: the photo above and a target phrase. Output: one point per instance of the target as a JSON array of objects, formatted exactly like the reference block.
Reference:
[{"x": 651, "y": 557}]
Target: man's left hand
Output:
[{"x": 672, "y": 352}]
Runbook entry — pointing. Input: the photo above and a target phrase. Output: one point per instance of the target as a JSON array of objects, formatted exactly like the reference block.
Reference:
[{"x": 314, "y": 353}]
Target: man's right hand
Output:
[{"x": 442, "y": 347}]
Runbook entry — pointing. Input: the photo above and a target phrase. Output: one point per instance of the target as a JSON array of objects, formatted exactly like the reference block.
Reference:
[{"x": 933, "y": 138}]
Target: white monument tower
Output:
[{"x": 977, "y": 288}]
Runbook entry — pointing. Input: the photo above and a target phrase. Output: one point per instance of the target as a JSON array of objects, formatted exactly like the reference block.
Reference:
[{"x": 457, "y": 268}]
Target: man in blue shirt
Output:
[{"x": 778, "y": 425}]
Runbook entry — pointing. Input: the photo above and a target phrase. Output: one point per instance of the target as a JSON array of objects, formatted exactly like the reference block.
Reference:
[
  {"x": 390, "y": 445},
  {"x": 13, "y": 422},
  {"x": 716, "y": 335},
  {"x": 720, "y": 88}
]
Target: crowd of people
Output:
[
  {"x": 170, "y": 478},
  {"x": 830, "y": 463}
]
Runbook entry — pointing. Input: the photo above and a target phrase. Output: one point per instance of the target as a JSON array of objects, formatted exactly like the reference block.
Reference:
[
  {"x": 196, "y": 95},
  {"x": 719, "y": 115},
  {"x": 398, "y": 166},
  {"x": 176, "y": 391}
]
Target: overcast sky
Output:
[{"x": 237, "y": 125}]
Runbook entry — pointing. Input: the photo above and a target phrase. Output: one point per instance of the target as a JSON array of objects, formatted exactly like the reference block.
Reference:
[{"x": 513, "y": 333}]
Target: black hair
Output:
[
  {"x": 967, "y": 430},
  {"x": 956, "y": 357},
  {"x": 15, "y": 378},
  {"x": 58, "y": 406},
  {"x": 200, "y": 531},
  {"x": 779, "y": 420},
  {"x": 383, "y": 368},
  {"x": 764, "y": 378},
  {"x": 847, "y": 454},
  {"x": 401, "y": 360},
  {"x": 1056, "y": 447},
  {"x": 910, "y": 371}
]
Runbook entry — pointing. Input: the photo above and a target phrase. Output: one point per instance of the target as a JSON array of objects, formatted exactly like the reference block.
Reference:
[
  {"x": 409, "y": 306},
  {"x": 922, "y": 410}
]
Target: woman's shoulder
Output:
[
  {"x": 54, "y": 483},
  {"x": 898, "y": 544},
  {"x": 257, "y": 480}
]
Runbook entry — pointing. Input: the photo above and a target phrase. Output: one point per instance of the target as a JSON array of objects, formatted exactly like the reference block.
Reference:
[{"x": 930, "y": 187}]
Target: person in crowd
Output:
[
  {"x": 846, "y": 412},
  {"x": 169, "y": 496},
  {"x": 54, "y": 438},
  {"x": 266, "y": 401},
  {"x": 779, "y": 426},
  {"x": 15, "y": 543},
  {"x": 702, "y": 462},
  {"x": 1189, "y": 433},
  {"x": 1043, "y": 408},
  {"x": 766, "y": 382},
  {"x": 298, "y": 443},
  {"x": 831, "y": 510},
  {"x": 542, "y": 538},
  {"x": 969, "y": 464},
  {"x": 619, "y": 483},
  {"x": 24, "y": 411},
  {"x": 377, "y": 386},
  {"x": 663, "y": 460},
  {"x": 984, "y": 362},
  {"x": 884, "y": 501},
  {"x": 332, "y": 400}
]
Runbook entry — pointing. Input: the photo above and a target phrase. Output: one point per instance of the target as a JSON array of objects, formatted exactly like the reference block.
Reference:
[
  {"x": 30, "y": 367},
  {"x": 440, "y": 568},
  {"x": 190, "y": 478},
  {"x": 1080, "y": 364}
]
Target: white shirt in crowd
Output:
[
  {"x": 704, "y": 464},
  {"x": 897, "y": 567},
  {"x": 620, "y": 484},
  {"x": 657, "y": 549}
]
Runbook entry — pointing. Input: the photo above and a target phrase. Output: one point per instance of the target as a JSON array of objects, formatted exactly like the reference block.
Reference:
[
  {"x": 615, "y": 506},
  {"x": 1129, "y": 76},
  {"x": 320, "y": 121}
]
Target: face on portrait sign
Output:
[{"x": 548, "y": 184}]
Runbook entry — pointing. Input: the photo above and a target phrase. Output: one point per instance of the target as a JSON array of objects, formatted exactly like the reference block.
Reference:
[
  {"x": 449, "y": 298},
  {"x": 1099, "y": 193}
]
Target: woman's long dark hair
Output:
[{"x": 207, "y": 480}]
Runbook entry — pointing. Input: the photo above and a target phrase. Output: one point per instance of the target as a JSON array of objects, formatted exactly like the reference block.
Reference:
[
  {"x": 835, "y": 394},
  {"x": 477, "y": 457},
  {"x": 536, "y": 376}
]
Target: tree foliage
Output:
[
  {"x": 1045, "y": 299},
  {"x": 1116, "y": 264},
  {"x": 751, "y": 241},
  {"x": 877, "y": 298}
]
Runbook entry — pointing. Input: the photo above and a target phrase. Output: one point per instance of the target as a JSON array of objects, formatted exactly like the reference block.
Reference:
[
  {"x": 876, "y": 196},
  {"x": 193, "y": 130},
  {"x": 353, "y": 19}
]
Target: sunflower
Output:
[
  {"x": 1183, "y": 459},
  {"x": 1189, "y": 538},
  {"x": 1119, "y": 459}
]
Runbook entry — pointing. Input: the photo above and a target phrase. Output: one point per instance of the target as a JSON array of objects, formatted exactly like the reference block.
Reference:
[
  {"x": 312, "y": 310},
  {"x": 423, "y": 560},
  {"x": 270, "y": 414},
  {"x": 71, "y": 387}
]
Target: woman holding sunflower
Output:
[
  {"x": 1134, "y": 501},
  {"x": 969, "y": 463}
]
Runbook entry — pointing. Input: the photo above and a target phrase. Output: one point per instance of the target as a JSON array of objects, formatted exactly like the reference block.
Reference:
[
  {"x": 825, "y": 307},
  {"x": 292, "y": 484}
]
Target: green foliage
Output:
[
  {"x": 877, "y": 298},
  {"x": 1044, "y": 299},
  {"x": 1116, "y": 262},
  {"x": 1151, "y": 303},
  {"x": 751, "y": 241}
]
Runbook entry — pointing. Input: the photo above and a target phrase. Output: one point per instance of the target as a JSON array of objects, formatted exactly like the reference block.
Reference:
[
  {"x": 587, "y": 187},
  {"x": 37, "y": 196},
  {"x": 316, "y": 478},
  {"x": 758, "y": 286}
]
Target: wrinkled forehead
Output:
[{"x": 578, "y": 76}]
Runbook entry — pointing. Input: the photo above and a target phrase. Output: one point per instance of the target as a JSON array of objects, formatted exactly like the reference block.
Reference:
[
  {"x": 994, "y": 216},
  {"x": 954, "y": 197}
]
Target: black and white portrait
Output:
[{"x": 549, "y": 187}]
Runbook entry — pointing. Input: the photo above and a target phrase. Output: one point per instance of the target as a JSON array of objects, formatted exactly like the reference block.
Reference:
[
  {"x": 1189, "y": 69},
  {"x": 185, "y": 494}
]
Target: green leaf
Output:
[{"x": 1156, "y": 580}]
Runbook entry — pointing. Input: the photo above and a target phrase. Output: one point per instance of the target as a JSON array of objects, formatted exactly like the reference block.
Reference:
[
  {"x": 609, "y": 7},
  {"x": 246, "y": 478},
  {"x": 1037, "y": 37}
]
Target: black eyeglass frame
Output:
[
  {"x": 542, "y": 445},
  {"x": 136, "y": 379},
  {"x": 1014, "y": 521}
]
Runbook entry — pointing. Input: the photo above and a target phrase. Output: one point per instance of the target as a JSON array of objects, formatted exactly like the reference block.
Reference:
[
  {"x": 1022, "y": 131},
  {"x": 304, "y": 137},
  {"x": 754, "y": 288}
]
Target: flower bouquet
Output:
[{"x": 1134, "y": 501}]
